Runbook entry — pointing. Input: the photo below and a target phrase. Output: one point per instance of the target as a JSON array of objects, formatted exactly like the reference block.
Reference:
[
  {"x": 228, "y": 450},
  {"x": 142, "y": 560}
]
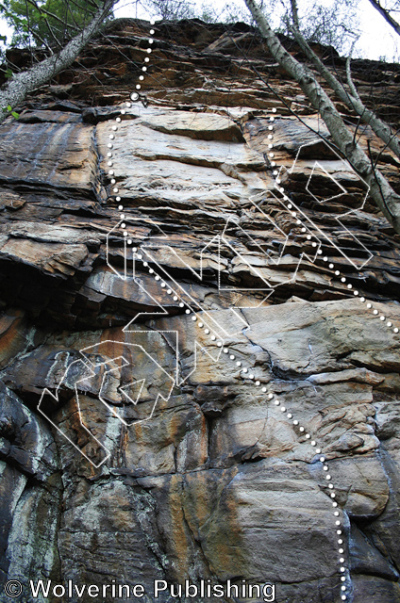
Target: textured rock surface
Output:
[{"x": 188, "y": 469}]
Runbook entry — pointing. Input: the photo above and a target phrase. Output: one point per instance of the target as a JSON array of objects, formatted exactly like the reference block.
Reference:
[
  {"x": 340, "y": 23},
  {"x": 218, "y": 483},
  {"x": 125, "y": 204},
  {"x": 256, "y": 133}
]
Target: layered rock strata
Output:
[{"x": 134, "y": 447}]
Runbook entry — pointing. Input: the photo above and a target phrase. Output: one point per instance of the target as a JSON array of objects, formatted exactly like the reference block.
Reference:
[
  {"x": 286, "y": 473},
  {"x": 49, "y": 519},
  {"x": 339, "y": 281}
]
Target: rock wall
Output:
[{"x": 199, "y": 345}]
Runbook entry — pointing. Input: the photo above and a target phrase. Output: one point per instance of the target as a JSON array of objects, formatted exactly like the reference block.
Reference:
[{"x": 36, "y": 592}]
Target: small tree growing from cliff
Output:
[
  {"x": 50, "y": 23},
  {"x": 342, "y": 136},
  {"x": 16, "y": 89}
]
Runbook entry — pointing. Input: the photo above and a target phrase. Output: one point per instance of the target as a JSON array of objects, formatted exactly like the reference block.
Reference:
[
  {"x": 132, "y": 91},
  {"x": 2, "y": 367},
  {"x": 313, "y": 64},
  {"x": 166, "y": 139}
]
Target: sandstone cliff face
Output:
[{"x": 201, "y": 379}]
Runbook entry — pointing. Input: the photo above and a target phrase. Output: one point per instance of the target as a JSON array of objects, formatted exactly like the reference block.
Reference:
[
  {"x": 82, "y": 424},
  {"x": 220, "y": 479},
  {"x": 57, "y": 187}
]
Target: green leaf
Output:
[{"x": 9, "y": 109}]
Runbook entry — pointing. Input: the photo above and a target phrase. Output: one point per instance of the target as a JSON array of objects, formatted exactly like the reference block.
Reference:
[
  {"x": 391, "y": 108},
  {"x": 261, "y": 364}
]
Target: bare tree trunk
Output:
[
  {"x": 382, "y": 193},
  {"x": 16, "y": 90},
  {"x": 386, "y": 15},
  {"x": 353, "y": 101}
]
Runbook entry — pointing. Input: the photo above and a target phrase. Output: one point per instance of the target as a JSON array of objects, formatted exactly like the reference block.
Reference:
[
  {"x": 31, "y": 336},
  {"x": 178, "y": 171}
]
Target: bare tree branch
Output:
[
  {"x": 43, "y": 10},
  {"x": 352, "y": 101},
  {"x": 342, "y": 137},
  {"x": 46, "y": 21},
  {"x": 386, "y": 15},
  {"x": 350, "y": 82},
  {"x": 16, "y": 89}
]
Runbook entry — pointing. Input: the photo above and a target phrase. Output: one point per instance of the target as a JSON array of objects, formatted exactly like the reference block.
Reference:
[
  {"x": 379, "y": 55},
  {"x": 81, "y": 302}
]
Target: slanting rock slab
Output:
[{"x": 204, "y": 126}]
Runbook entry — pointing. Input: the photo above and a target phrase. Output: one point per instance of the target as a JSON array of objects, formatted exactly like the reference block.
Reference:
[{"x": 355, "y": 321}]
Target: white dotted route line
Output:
[
  {"x": 134, "y": 96},
  {"x": 271, "y": 397},
  {"x": 246, "y": 372},
  {"x": 331, "y": 266},
  {"x": 375, "y": 312}
]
